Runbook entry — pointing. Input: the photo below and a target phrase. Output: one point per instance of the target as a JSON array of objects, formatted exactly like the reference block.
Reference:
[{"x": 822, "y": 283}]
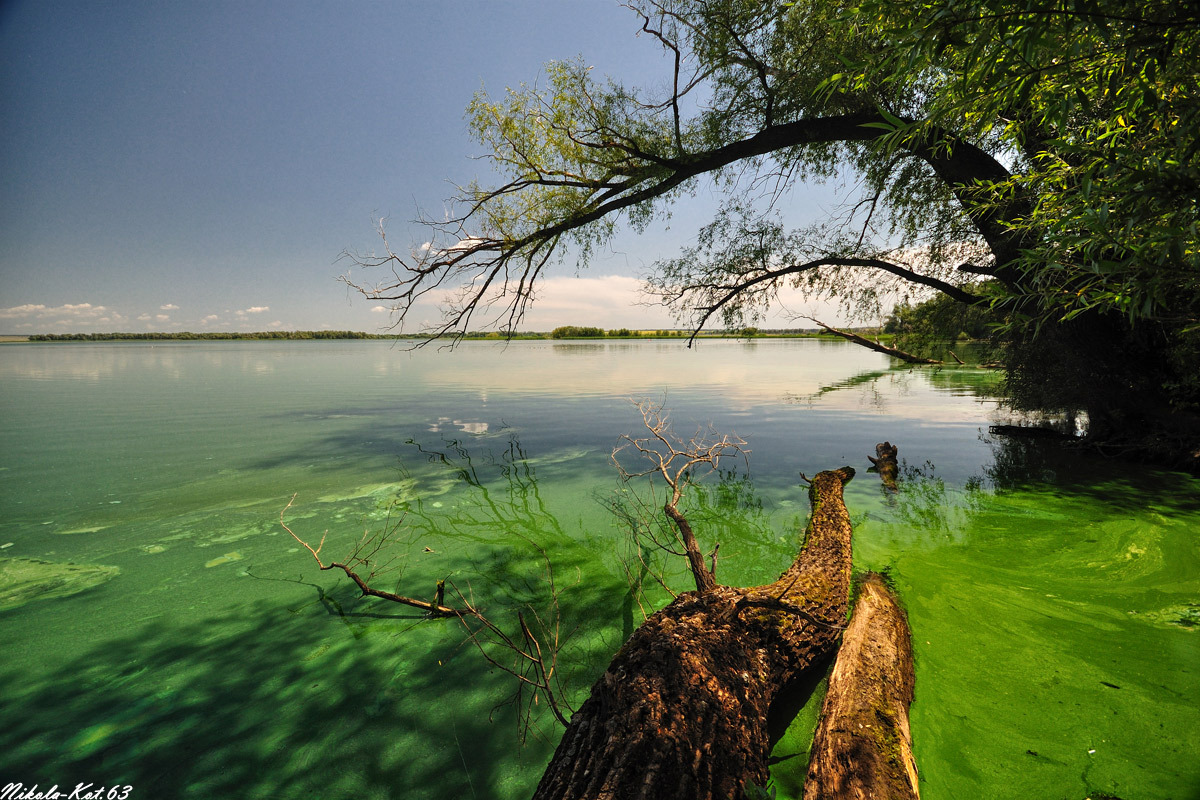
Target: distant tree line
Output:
[{"x": 562, "y": 332}]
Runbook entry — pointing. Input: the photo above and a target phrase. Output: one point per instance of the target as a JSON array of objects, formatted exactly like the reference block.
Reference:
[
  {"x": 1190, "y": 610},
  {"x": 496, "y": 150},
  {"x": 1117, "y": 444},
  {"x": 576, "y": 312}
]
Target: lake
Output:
[{"x": 1054, "y": 597}]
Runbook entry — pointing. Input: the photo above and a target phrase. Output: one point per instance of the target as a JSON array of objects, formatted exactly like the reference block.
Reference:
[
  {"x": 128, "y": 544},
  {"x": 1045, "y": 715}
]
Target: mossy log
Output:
[
  {"x": 863, "y": 747},
  {"x": 681, "y": 712}
]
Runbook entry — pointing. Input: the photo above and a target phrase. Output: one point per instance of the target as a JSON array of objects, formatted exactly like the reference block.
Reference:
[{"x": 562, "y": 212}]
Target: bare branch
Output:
[
  {"x": 533, "y": 657},
  {"x": 726, "y": 293},
  {"x": 675, "y": 462},
  {"x": 876, "y": 346}
]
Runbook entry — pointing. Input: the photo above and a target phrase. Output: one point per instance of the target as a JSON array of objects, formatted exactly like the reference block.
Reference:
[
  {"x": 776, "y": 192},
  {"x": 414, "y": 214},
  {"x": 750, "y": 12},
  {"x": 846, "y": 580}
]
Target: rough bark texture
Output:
[
  {"x": 681, "y": 711},
  {"x": 863, "y": 748}
]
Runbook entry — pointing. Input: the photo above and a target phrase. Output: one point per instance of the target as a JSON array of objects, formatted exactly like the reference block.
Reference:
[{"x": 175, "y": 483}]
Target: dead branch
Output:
[
  {"x": 675, "y": 461},
  {"x": 534, "y": 660},
  {"x": 876, "y": 346},
  {"x": 367, "y": 549}
]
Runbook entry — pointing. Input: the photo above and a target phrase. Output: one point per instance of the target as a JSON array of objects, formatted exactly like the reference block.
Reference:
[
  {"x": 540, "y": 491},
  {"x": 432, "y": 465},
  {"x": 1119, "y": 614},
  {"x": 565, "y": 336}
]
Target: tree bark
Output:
[
  {"x": 863, "y": 747},
  {"x": 681, "y": 711}
]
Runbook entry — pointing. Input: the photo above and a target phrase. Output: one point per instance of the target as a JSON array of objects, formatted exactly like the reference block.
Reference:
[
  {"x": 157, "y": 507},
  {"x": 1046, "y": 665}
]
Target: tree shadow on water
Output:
[
  {"x": 337, "y": 696},
  {"x": 267, "y": 703}
]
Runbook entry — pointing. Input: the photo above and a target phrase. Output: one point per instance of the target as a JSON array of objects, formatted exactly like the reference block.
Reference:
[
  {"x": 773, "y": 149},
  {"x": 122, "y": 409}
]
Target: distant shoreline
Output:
[{"x": 567, "y": 333}]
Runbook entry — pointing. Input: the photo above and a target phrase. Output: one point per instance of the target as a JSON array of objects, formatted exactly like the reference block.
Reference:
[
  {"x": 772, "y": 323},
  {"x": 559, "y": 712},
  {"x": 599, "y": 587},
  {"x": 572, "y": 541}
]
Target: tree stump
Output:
[{"x": 885, "y": 463}]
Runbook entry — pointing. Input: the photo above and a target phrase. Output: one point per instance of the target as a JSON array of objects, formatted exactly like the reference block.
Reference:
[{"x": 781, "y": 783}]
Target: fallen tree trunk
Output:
[
  {"x": 681, "y": 711},
  {"x": 863, "y": 747}
]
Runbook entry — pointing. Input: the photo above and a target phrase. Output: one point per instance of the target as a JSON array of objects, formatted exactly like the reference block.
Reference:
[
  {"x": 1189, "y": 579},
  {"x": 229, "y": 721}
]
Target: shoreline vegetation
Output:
[{"x": 565, "y": 332}]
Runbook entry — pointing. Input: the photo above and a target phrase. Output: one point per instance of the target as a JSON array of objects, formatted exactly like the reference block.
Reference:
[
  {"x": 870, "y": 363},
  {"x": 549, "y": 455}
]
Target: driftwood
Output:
[
  {"x": 886, "y": 465},
  {"x": 681, "y": 711},
  {"x": 876, "y": 346},
  {"x": 863, "y": 747}
]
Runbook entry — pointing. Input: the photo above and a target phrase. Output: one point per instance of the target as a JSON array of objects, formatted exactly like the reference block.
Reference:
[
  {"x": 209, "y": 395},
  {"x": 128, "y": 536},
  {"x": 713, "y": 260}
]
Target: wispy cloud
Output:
[
  {"x": 380, "y": 309},
  {"x": 618, "y": 301},
  {"x": 244, "y": 313},
  {"x": 168, "y": 307},
  {"x": 41, "y": 311}
]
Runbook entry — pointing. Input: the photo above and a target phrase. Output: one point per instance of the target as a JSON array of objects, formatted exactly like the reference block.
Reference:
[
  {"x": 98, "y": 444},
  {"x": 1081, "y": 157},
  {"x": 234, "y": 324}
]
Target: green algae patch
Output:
[
  {"x": 26, "y": 579},
  {"x": 87, "y": 529},
  {"x": 1184, "y": 615},
  {"x": 225, "y": 559}
]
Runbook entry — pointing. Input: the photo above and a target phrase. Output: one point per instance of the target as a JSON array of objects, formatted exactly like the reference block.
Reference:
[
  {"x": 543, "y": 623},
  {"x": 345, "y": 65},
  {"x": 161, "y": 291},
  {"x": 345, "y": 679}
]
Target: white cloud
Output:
[
  {"x": 243, "y": 313},
  {"x": 162, "y": 317},
  {"x": 465, "y": 244},
  {"x": 81, "y": 309},
  {"x": 380, "y": 309},
  {"x": 78, "y": 311},
  {"x": 209, "y": 318},
  {"x": 276, "y": 324},
  {"x": 16, "y": 312},
  {"x": 617, "y": 301},
  {"x": 169, "y": 307},
  {"x": 607, "y": 301},
  {"x": 143, "y": 317}
]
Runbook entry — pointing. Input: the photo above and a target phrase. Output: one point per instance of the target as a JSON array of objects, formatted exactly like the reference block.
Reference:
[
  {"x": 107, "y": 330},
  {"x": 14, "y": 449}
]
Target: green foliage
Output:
[
  {"x": 1042, "y": 159},
  {"x": 576, "y": 332},
  {"x": 1097, "y": 103},
  {"x": 933, "y": 326}
]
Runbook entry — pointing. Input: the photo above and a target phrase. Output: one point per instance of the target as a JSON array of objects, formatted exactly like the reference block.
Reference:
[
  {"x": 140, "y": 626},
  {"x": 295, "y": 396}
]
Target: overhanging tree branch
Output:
[
  {"x": 510, "y": 265},
  {"x": 772, "y": 275},
  {"x": 876, "y": 346}
]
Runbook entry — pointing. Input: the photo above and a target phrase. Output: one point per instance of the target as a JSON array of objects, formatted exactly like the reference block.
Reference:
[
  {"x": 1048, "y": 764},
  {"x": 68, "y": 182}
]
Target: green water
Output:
[{"x": 1054, "y": 600}]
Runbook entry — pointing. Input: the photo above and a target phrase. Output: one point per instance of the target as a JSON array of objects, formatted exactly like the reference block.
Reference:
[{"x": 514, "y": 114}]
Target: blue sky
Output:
[{"x": 201, "y": 166}]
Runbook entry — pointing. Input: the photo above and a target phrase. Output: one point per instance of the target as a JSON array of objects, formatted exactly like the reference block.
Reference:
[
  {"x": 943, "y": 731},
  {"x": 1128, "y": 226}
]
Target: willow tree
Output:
[{"x": 1041, "y": 159}]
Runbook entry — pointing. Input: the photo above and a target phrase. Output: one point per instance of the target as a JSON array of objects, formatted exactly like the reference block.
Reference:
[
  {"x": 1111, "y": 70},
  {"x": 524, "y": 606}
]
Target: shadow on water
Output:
[
  {"x": 983, "y": 383},
  {"x": 1031, "y": 464},
  {"x": 337, "y": 698},
  {"x": 256, "y": 705},
  {"x": 336, "y": 695}
]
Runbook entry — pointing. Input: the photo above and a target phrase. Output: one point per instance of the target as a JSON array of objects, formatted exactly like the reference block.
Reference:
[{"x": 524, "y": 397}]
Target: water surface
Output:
[{"x": 1053, "y": 598}]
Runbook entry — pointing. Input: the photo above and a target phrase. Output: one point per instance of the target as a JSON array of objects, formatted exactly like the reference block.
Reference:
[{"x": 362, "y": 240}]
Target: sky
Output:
[{"x": 172, "y": 166}]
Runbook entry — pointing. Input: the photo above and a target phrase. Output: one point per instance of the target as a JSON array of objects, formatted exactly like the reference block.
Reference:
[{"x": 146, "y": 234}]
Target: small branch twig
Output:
[
  {"x": 534, "y": 664},
  {"x": 675, "y": 462}
]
